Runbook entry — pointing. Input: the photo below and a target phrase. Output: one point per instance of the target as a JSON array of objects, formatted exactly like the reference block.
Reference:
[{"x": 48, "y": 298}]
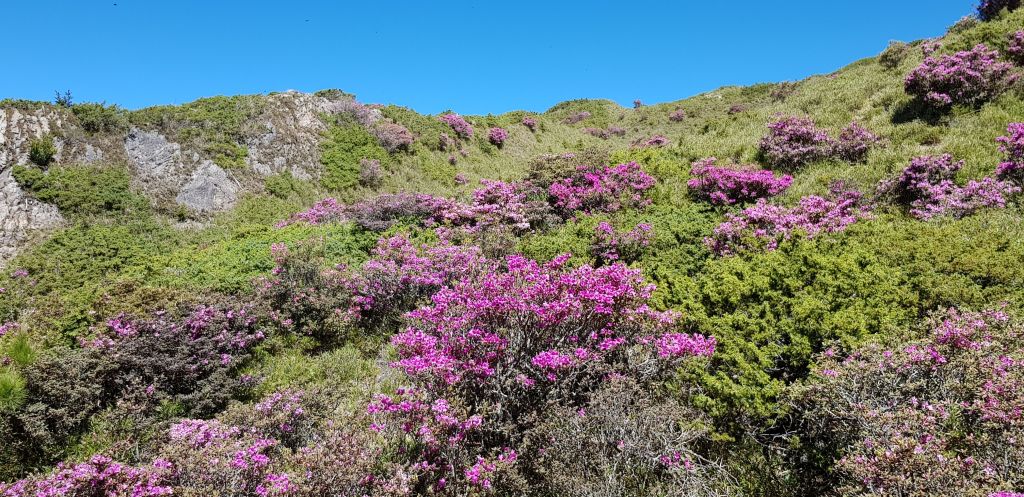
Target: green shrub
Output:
[
  {"x": 42, "y": 150},
  {"x": 12, "y": 391},
  {"x": 100, "y": 118},
  {"x": 341, "y": 150},
  {"x": 84, "y": 190},
  {"x": 426, "y": 129}
]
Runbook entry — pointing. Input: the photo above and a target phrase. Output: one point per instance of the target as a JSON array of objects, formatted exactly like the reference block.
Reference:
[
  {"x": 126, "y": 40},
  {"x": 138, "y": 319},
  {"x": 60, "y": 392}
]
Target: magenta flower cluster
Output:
[
  {"x": 733, "y": 185},
  {"x": 392, "y": 136},
  {"x": 100, "y": 476},
  {"x": 906, "y": 408},
  {"x": 497, "y": 136},
  {"x": 458, "y": 124},
  {"x": 610, "y": 245},
  {"x": 577, "y": 117},
  {"x": 927, "y": 187},
  {"x": 328, "y": 210},
  {"x": 1012, "y": 146},
  {"x": 490, "y": 352},
  {"x": 793, "y": 141},
  {"x": 854, "y": 143},
  {"x": 530, "y": 123},
  {"x": 765, "y": 226},
  {"x": 677, "y": 115},
  {"x": 1015, "y": 50},
  {"x": 969, "y": 77},
  {"x": 655, "y": 141},
  {"x": 602, "y": 189}
]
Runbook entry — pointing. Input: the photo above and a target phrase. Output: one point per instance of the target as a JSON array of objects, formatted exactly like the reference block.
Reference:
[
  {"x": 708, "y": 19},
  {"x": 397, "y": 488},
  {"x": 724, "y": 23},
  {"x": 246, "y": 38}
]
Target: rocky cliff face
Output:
[{"x": 285, "y": 136}]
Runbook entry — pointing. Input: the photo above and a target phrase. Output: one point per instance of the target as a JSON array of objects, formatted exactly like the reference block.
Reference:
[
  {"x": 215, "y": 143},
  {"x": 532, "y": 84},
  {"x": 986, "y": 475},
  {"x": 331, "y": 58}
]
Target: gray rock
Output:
[
  {"x": 21, "y": 216},
  {"x": 209, "y": 190}
]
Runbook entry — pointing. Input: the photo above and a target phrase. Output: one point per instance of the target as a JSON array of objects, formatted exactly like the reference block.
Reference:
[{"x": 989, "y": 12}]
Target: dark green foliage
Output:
[
  {"x": 217, "y": 125},
  {"x": 285, "y": 185},
  {"x": 84, "y": 190},
  {"x": 100, "y": 118},
  {"x": 341, "y": 150},
  {"x": 42, "y": 150}
]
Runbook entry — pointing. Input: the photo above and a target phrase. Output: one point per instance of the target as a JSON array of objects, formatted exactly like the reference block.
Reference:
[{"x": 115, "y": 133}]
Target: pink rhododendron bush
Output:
[
  {"x": 734, "y": 185},
  {"x": 793, "y": 142},
  {"x": 939, "y": 415},
  {"x": 927, "y": 187},
  {"x": 492, "y": 356},
  {"x": 765, "y": 226},
  {"x": 969, "y": 77}
]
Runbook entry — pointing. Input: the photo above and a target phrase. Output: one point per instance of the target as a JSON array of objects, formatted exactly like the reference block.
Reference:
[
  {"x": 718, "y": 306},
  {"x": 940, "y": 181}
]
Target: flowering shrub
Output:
[
  {"x": 491, "y": 354},
  {"x": 652, "y": 142},
  {"x": 577, "y": 117},
  {"x": 653, "y": 450},
  {"x": 370, "y": 173},
  {"x": 616, "y": 130},
  {"x": 1015, "y": 51},
  {"x": 606, "y": 189},
  {"x": 990, "y": 9},
  {"x": 939, "y": 415},
  {"x": 530, "y": 123},
  {"x": 384, "y": 211},
  {"x": 99, "y": 476},
  {"x": 854, "y": 143},
  {"x": 1012, "y": 147},
  {"x": 726, "y": 186},
  {"x": 327, "y": 303},
  {"x": 497, "y": 136},
  {"x": 392, "y": 136},
  {"x": 596, "y": 132},
  {"x": 458, "y": 125},
  {"x": 927, "y": 187},
  {"x": 610, "y": 246},
  {"x": 737, "y": 109},
  {"x": 969, "y": 77},
  {"x": 930, "y": 46},
  {"x": 793, "y": 142},
  {"x": 765, "y": 226},
  {"x": 327, "y": 210},
  {"x": 677, "y": 115}
]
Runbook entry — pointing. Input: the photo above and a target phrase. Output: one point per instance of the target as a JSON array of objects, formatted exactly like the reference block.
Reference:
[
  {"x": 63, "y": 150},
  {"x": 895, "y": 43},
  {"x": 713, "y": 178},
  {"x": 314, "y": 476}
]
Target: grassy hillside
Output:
[{"x": 314, "y": 313}]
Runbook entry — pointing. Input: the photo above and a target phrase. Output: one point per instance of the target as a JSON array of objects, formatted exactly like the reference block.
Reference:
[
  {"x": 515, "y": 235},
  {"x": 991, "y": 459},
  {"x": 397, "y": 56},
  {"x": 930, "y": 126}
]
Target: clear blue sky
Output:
[{"x": 432, "y": 55}]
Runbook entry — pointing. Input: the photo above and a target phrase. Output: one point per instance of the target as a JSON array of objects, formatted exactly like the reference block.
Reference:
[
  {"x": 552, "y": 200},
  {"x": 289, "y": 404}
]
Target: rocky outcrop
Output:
[
  {"x": 293, "y": 125},
  {"x": 209, "y": 189},
  {"x": 20, "y": 215},
  {"x": 285, "y": 136}
]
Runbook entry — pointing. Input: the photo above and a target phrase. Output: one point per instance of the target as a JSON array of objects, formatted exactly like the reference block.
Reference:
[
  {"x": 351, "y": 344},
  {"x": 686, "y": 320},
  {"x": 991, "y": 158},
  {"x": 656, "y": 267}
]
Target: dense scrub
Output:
[{"x": 583, "y": 301}]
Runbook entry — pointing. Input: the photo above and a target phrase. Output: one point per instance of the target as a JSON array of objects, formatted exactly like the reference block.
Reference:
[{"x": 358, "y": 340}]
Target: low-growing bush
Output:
[
  {"x": 85, "y": 190},
  {"x": 491, "y": 355},
  {"x": 793, "y": 142},
  {"x": 894, "y": 54},
  {"x": 100, "y": 118},
  {"x": 854, "y": 143},
  {"x": 602, "y": 189},
  {"x": 733, "y": 185},
  {"x": 371, "y": 175},
  {"x": 458, "y": 124},
  {"x": 970, "y": 77},
  {"x": 1015, "y": 50},
  {"x": 765, "y": 226},
  {"x": 611, "y": 246},
  {"x": 342, "y": 150},
  {"x": 42, "y": 150},
  {"x": 392, "y": 136},
  {"x": 927, "y": 187},
  {"x": 1012, "y": 147},
  {"x": 938, "y": 415},
  {"x": 497, "y": 136}
]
